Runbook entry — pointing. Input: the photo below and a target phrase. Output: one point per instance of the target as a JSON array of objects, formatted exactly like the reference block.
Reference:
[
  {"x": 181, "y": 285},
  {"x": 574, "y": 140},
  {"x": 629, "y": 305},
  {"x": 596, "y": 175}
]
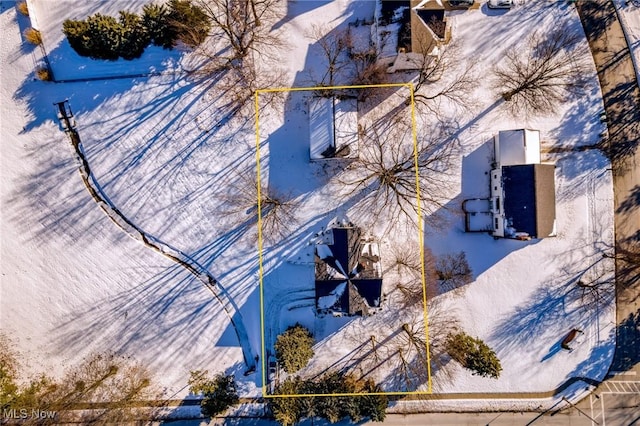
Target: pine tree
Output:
[
  {"x": 371, "y": 406},
  {"x": 155, "y": 19},
  {"x": 77, "y": 33},
  {"x": 287, "y": 410},
  {"x": 294, "y": 348},
  {"x": 134, "y": 36},
  {"x": 105, "y": 35},
  {"x": 219, "y": 392},
  {"x": 474, "y": 354}
]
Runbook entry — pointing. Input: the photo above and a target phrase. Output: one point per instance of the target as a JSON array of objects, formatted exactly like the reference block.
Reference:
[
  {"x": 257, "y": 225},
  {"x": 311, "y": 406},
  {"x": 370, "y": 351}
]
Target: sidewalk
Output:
[{"x": 621, "y": 96}]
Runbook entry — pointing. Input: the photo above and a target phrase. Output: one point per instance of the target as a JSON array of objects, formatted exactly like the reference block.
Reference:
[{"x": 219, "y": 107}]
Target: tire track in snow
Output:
[{"x": 176, "y": 255}]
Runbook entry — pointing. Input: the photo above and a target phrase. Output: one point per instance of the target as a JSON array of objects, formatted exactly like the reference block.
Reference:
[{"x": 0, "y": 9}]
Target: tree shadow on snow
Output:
[
  {"x": 171, "y": 303},
  {"x": 557, "y": 308}
]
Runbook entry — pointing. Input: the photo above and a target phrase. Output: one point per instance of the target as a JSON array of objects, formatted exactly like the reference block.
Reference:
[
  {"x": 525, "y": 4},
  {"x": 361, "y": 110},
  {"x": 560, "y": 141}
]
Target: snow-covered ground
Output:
[
  {"x": 73, "y": 282},
  {"x": 47, "y": 17}
]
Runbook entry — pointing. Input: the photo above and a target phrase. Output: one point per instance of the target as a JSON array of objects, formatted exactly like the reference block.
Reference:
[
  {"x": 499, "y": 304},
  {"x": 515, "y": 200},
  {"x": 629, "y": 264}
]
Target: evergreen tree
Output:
[
  {"x": 288, "y": 410},
  {"x": 105, "y": 35},
  {"x": 219, "y": 392},
  {"x": 294, "y": 348},
  {"x": 155, "y": 19},
  {"x": 134, "y": 36},
  {"x": 473, "y": 354},
  {"x": 371, "y": 406},
  {"x": 77, "y": 33}
]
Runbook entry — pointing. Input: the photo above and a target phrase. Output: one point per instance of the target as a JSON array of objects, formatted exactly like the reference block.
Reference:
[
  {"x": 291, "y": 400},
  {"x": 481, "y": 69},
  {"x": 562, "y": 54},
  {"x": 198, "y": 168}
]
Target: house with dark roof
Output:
[
  {"x": 348, "y": 275},
  {"x": 523, "y": 201},
  {"x": 428, "y": 30}
]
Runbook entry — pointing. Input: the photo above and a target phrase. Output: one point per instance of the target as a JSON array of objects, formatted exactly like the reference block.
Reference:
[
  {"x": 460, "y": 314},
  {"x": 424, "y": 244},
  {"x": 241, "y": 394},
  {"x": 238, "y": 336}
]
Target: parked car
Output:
[
  {"x": 500, "y": 4},
  {"x": 465, "y": 3}
]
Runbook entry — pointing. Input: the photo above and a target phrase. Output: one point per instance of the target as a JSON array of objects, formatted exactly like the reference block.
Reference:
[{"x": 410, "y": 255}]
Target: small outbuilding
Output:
[{"x": 333, "y": 128}]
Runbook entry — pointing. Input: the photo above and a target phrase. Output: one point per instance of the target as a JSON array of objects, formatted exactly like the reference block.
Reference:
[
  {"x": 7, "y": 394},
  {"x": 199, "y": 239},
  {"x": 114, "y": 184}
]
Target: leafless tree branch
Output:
[{"x": 549, "y": 69}]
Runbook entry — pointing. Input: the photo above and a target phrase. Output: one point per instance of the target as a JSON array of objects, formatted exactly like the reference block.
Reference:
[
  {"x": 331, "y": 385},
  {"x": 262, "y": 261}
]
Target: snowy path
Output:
[{"x": 176, "y": 255}]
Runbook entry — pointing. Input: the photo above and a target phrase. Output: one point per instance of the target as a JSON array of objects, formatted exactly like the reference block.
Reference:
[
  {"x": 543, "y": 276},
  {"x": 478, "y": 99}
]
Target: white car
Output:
[{"x": 500, "y": 4}]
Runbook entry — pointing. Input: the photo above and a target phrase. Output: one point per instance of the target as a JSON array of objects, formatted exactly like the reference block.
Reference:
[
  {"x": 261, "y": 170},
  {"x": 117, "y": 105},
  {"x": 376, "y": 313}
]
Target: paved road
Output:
[
  {"x": 622, "y": 104},
  {"x": 572, "y": 418}
]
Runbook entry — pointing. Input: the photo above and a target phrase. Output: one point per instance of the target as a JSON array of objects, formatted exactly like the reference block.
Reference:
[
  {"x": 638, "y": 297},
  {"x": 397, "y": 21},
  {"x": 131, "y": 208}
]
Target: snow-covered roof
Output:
[
  {"x": 429, "y": 4},
  {"x": 514, "y": 147},
  {"x": 333, "y": 128},
  {"x": 321, "y": 130},
  {"x": 348, "y": 274}
]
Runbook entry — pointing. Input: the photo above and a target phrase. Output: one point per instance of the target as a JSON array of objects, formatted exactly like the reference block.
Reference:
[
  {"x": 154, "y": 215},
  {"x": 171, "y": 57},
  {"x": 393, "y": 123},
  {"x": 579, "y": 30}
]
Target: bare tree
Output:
[
  {"x": 453, "y": 270},
  {"x": 438, "y": 77},
  {"x": 409, "y": 270},
  {"x": 399, "y": 343},
  {"x": 332, "y": 46},
  {"x": 110, "y": 389},
  {"x": 389, "y": 168},
  {"x": 241, "y": 26},
  {"x": 276, "y": 211},
  {"x": 366, "y": 68},
  {"x": 240, "y": 54},
  {"x": 540, "y": 76}
]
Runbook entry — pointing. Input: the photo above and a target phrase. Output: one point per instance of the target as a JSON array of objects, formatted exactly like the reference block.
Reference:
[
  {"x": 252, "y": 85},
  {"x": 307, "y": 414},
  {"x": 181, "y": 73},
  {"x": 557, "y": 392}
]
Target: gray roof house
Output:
[{"x": 523, "y": 200}]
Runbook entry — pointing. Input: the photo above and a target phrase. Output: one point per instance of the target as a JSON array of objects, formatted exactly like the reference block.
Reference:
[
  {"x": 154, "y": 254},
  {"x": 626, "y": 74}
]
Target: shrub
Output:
[
  {"x": 155, "y": 19},
  {"x": 294, "y": 348},
  {"x": 188, "y": 22},
  {"x": 43, "y": 74},
  {"x": 474, "y": 354},
  {"x": 99, "y": 37},
  {"x": 23, "y": 8},
  {"x": 453, "y": 270},
  {"x": 288, "y": 411},
  {"x": 77, "y": 33},
  {"x": 33, "y": 36},
  {"x": 219, "y": 392},
  {"x": 104, "y": 35},
  {"x": 134, "y": 37}
]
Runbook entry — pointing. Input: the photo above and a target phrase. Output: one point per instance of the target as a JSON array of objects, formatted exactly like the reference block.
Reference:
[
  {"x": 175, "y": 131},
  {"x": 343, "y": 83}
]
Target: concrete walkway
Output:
[{"x": 621, "y": 96}]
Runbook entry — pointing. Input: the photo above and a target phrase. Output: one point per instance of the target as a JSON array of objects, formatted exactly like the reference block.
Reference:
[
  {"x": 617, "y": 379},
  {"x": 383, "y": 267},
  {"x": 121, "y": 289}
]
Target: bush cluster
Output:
[
  {"x": 219, "y": 392},
  {"x": 105, "y": 37},
  {"x": 23, "y": 8},
  {"x": 294, "y": 348},
  {"x": 474, "y": 354},
  {"x": 33, "y": 36},
  {"x": 289, "y": 411}
]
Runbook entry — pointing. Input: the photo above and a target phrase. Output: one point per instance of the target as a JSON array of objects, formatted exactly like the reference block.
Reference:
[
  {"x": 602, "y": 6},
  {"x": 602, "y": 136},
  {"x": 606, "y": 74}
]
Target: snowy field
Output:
[{"x": 73, "y": 282}]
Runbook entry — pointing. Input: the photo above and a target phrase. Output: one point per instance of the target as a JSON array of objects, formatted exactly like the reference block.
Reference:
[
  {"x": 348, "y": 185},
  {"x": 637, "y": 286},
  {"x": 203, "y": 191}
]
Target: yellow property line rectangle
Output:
[{"x": 265, "y": 394}]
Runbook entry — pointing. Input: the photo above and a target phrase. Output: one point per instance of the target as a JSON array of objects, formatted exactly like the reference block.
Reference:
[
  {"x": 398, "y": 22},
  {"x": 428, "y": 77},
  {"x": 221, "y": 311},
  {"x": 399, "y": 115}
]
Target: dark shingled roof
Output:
[
  {"x": 529, "y": 198},
  {"x": 545, "y": 176},
  {"x": 363, "y": 291}
]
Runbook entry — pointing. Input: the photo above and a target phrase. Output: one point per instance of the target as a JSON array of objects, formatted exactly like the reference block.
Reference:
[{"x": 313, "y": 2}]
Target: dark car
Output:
[
  {"x": 500, "y": 4},
  {"x": 466, "y": 3}
]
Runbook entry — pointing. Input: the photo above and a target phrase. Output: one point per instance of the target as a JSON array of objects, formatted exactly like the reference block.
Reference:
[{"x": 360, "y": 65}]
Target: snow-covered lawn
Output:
[
  {"x": 73, "y": 282},
  {"x": 47, "y": 17}
]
